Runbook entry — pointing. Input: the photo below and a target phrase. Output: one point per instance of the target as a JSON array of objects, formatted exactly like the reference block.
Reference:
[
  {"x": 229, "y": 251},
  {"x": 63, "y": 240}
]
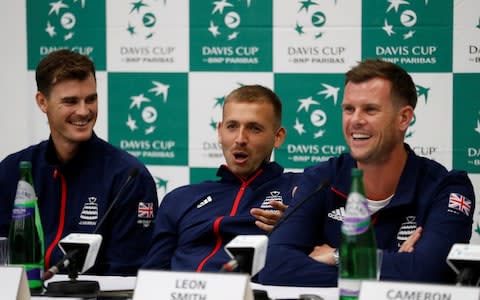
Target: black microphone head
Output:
[{"x": 133, "y": 172}]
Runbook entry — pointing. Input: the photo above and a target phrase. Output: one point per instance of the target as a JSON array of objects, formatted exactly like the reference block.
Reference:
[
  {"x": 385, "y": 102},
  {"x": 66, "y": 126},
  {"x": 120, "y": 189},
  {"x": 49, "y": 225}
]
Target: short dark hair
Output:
[
  {"x": 403, "y": 89},
  {"x": 257, "y": 93},
  {"x": 61, "y": 65}
]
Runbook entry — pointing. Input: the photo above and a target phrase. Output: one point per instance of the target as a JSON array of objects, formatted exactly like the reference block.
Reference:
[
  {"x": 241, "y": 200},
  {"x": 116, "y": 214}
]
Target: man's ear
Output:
[
  {"x": 405, "y": 117},
  {"x": 280, "y": 137},
  {"x": 41, "y": 101}
]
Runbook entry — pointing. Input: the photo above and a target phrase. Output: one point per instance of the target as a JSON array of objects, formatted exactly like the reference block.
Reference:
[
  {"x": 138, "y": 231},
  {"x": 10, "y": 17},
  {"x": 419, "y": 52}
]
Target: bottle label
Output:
[
  {"x": 23, "y": 211},
  {"x": 357, "y": 216},
  {"x": 25, "y": 193},
  {"x": 349, "y": 288},
  {"x": 34, "y": 275}
]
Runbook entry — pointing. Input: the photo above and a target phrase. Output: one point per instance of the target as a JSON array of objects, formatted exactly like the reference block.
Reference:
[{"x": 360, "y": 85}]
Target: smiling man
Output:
[
  {"x": 196, "y": 221},
  {"x": 76, "y": 175},
  {"x": 414, "y": 201}
]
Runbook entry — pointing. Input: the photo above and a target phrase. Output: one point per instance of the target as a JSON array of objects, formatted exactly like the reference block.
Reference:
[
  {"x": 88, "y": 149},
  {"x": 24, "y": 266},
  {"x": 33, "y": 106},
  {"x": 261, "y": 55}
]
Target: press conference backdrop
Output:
[{"x": 164, "y": 68}]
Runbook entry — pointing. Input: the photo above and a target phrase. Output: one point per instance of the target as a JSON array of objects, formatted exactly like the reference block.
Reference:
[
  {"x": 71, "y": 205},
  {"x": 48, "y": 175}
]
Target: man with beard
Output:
[{"x": 195, "y": 222}]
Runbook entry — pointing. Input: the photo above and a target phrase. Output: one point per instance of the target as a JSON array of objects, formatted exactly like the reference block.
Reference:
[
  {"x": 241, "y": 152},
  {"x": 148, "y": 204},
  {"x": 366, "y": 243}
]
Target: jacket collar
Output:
[
  {"x": 406, "y": 187},
  {"x": 266, "y": 172},
  {"x": 86, "y": 150}
]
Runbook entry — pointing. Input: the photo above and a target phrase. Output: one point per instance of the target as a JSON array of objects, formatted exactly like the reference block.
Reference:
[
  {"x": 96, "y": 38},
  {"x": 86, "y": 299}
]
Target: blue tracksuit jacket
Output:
[
  {"x": 427, "y": 195},
  {"x": 195, "y": 222},
  {"x": 73, "y": 198}
]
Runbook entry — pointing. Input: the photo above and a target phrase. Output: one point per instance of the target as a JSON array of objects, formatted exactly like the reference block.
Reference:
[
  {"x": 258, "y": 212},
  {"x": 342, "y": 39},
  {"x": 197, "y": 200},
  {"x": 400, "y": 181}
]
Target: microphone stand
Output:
[{"x": 73, "y": 287}]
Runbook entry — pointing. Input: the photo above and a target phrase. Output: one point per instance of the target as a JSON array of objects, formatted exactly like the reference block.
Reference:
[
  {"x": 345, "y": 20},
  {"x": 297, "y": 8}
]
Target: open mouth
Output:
[
  {"x": 240, "y": 156},
  {"x": 80, "y": 123},
  {"x": 360, "y": 136}
]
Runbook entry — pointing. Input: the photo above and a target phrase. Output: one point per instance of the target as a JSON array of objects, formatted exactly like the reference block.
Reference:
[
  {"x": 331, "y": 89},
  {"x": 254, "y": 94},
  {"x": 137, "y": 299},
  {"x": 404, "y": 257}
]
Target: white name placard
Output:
[
  {"x": 170, "y": 285},
  {"x": 14, "y": 283},
  {"x": 384, "y": 290}
]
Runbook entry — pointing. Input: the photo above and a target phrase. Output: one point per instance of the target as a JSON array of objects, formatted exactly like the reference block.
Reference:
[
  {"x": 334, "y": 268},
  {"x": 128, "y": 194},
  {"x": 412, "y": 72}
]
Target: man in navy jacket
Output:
[
  {"x": 195, "y": 222},
  {"x": 419, "y": 209},
  {"x": 77, "y": 175}
]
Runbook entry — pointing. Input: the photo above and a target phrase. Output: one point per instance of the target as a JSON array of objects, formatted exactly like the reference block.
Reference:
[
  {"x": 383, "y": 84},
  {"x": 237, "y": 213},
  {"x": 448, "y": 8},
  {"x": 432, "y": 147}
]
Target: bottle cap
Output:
[
  {"x": 25, "y": 164},
  {"x": 357, "y": 172}
]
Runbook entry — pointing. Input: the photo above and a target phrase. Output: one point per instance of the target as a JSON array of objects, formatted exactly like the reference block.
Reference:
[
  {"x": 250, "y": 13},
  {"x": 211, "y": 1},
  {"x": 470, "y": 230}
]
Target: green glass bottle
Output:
[
  {"x": 358, "y": 249},
  {"x": 26, "y": 233}
]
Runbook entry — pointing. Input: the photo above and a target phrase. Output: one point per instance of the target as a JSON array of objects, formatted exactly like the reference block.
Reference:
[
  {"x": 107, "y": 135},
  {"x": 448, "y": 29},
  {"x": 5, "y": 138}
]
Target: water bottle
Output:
[
  {"x": 358, "y": 250},
  {"x": 26, "y": 234}
]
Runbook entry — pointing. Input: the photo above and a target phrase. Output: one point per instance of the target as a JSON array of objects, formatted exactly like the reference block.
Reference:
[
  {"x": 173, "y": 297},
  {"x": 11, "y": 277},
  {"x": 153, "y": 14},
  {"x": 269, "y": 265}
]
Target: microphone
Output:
[
  {"x": 300, "y": 203},
  {"x": 464, "y": 259},
  {"x": 82, "y": 247},
  {"x": 62, "y": 264},
  {"x": 248, "y": 253},
  {"x": 230, "y": 266}
]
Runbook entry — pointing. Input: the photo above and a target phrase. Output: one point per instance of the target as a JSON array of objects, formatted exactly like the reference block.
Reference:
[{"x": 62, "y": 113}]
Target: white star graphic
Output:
[
  {"x": 299, "y": 127},
  {"x": 330, "y": 91},
  {"x": 131, "y": 123},
  {"x": 56, "y": 6},
  {"x": 138, "y": 100},
  {"x": 150, "y": 129},
  {"x": 213, "y": 29},
  {"x": 50, "y": 29},
  {"x": 160, "y": 89},
  {"x": 220, "y": 5},
  {"x": 305, "y": 103},
  {"x": 233, "y": 35},
  {"x": 408, "y": 35},
  {"x": 395, "y": 4},
  {"x": 478, "y": 126},
  {"x": 319, "y": 134},
  {"x": 388, "y": 28},
  {"x": 68, "y": 36}
]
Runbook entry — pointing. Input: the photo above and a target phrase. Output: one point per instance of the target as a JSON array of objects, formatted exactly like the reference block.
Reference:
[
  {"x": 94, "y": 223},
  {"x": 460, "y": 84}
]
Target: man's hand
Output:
[
  {"x": 323, "y": 254},
  {"x": 266, "y": 219},
  {"x": 409, "y": 245}
]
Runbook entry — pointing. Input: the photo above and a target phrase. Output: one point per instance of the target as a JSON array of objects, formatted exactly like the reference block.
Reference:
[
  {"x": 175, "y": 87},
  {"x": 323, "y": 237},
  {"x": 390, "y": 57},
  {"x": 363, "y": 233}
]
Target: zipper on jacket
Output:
[
  {"x": 218, "y": 244},
  {"x": 233, "y": 211},
  {"x": 61, "y": 223}
]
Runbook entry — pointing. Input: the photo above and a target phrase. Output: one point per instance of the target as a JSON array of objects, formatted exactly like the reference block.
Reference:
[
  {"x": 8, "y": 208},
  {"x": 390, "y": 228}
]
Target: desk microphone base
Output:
[{"x": 81, "y": 288}]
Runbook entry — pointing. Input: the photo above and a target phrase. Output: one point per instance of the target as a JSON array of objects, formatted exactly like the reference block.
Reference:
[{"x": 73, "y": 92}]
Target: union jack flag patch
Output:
[
  {"x": 145, "y": 210},
  {"x": 459, "y": 203}
]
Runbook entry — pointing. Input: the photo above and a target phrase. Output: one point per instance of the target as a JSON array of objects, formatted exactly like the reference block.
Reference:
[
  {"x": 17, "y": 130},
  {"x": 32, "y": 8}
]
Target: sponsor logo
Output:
[
  {"x": 406, "y": 229},
  {"x": 62, "y": 19},
  {"x": 204, "y": 202},
  {"x": 142, "y": 113},
  {"x": 142, "y": 20},
  {"x": 310, "y": 20},
  {"x": 309, "y": 111},
  {"x": 337, "y": 214},
  {"x": 400, "y": 22},
  {"x": 89, "y": 214},
  {"x": 274, "y": 196},
  {"x": 225, "y": 20}
]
